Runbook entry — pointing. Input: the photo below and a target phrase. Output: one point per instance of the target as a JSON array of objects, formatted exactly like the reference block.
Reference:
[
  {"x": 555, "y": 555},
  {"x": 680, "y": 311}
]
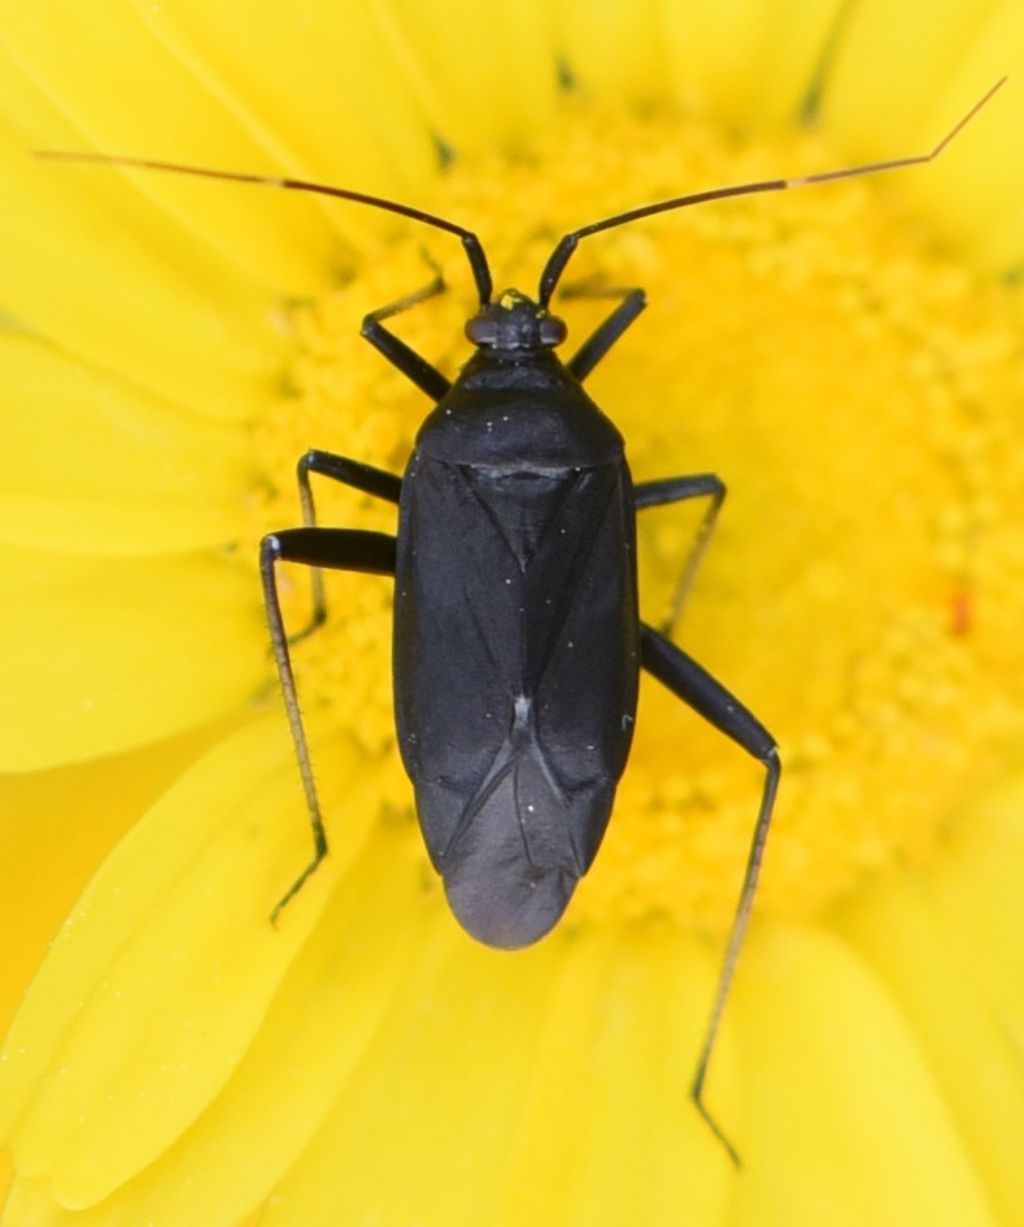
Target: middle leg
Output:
[
  {"x": 676, "y": 490},
  {"x": 378, "y": 482}
]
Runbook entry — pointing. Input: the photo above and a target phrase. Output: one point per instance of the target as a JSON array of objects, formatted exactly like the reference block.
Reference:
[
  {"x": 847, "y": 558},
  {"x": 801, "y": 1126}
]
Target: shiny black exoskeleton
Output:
[{"x": 516, "y": 639}]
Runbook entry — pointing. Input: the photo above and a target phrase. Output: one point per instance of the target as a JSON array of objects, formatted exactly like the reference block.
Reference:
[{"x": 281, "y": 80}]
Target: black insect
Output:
[{"x": 517, "y": 637}]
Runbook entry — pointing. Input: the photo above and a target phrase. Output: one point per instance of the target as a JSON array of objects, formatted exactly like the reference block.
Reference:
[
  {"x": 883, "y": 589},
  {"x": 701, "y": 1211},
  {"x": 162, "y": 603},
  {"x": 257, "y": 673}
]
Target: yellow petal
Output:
[
  {"x": 92, "y": 465},
  {"x": 101, "y": 655},
  {"x": 614, "y": 49},
  {"x": 902, "y": 78},
  {"x": 321, "y": 1018},
  {"x": 975, "y": 892},
  {"x": 439, "y": 1084},
  {"x": 838, "y": 1096},
  {"x": 547, "y": 1086},
  {"x": 486, "y": 78},
  {"x": 608, "y": 1133},
  {"x": 164, "y": 971},
  {"x": 891, "y": 63},
  {"x": 88, "y": 68},
  {"x": 52, "y": 852},
  {"x": 29, "y": 1205},
  {"x": 317, "y": 83},
  {"x": 969, "y": 1047},
  {"x": 92, "y": 264},
  {"x": 753, "y": 64},
  {"x": 974, "y": 197}
]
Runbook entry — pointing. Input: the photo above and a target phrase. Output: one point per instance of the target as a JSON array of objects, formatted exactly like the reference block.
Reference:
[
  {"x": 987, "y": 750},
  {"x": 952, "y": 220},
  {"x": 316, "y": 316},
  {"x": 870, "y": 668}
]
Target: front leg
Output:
[
  {"x": 415, "y": 368},
  {"x": 604, "y": 336}
]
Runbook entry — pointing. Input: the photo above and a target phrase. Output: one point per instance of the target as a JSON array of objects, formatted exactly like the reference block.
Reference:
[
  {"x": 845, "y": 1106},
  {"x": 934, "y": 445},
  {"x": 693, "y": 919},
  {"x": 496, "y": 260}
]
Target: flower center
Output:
[{"x": 858, "y": 392}]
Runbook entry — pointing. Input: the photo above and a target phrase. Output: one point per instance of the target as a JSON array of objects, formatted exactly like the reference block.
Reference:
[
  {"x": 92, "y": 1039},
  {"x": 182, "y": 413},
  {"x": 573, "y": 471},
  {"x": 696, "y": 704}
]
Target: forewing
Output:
[
  {"x": 457, "y": 645},
  {"x": 584, "y": 653},
  {"x": 515, "y": 656}
]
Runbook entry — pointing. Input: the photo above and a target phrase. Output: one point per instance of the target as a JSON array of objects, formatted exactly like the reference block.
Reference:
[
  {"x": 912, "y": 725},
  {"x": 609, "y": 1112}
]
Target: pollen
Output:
[{"x": 856, "y": 386}]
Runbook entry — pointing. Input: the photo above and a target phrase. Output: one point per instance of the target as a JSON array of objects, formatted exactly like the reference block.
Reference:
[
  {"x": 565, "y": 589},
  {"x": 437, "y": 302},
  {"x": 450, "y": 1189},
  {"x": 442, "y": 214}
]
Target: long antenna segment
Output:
[
  {"x": 567, "y": 245},
  {"x": 473, "y": 247}
]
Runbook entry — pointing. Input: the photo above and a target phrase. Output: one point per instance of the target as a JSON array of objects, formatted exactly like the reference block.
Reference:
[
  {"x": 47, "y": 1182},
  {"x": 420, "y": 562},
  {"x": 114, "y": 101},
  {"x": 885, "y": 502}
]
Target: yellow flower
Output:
[{"x": 847, "y": 357}]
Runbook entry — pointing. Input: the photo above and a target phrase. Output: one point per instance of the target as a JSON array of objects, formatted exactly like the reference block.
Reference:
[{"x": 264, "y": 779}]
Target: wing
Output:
[{"x": 515, "y": 679}]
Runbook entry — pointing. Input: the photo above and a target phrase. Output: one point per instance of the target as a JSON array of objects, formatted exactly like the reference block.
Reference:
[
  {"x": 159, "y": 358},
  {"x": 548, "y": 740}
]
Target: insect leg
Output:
[
  {"x": 342, "y": 549},
  {"x": 426, "y": 377},
  {"x": 675, "y": 490},
  {"x": 609, "y": 330},
  {"x": 353, "y": 473},
  {"x": 710, "y": 699}
]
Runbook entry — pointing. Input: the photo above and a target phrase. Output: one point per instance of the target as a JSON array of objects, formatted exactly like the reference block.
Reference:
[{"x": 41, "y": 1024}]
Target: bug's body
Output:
[{"x": 516, "y": 641}]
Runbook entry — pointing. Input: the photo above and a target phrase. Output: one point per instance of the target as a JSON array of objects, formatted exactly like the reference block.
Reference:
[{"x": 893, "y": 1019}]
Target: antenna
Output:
[
  {"x": 473, "y": 248},
  {"x": 567, "y": 245}
]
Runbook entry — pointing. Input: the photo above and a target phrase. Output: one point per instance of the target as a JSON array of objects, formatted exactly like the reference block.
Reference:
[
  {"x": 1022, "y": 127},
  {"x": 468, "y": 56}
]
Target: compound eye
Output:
[
  {"x": 481, "y": 330},
  {"x": 552, "y": 330}
]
